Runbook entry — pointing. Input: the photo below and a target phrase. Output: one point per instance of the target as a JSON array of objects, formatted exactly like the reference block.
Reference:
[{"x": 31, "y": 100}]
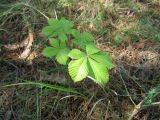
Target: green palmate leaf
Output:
[
  {"x": 62, "y": 37},
  {"x": 76, "y": 34},
  {"x": 82, "y": 39},
  {"x": 100, "y": 72},
  {"x": 57, "y": 44},
  {"x": 58, "y": 49},
  {"x": 103, "y": 58},
  {"x": 99, "y": 56},
  {"x": 67, "y": 25},
  {"x": 58, "y": 28},
  {"x": 54, "y": 23},
  {"x": 48, "y": 31},
  {"x": 91, "y": 49},
  {"x": 78, "y": 69},
  {"x": 62, "y": 44},
  {"x": 62, "y": 56},
  {"x": 99, "y": 63},
  {"x": 49, "y": 52},
  {"x": 77, "y": 42},
  {"x": 94, "y": 64},
  {"x": 87, "y": 37},
  {"x": 76, "y": 54},
  {"x": 54, "y": 43}
]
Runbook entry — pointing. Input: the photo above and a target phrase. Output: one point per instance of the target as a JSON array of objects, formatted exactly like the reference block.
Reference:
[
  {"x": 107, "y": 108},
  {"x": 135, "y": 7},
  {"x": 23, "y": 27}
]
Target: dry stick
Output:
[
  {"x": 106, "y": 116},
  {"x": 140, "y": 107},
  {"x": 36, "y": 10},
  {"x": 84, "y": 108},
  {"x": 136, "y": 110},
  {"x": 55, "y": 14},
  {"x": 134, "y": 79},
  {"x": 90, "y": 112},
  {"x": 126, "y": 89}
]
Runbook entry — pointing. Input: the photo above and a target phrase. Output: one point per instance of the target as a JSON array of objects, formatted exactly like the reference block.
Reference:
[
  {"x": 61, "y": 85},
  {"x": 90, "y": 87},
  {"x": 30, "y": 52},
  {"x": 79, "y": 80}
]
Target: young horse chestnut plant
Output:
[{"x": 76, "y": 50}]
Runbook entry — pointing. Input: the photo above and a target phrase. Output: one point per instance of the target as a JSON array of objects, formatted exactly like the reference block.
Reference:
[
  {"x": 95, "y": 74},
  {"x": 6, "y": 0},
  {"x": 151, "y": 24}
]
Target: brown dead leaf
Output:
[{"x": 27, "y": 49}]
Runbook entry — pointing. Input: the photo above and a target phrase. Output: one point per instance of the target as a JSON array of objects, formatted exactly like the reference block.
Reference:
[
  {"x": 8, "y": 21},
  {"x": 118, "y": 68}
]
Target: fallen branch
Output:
[{"x": 140, "y": 107}]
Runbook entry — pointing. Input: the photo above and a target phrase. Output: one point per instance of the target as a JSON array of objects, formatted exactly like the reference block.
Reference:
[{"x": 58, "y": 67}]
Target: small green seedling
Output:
[{"x": 76, "y": 50}]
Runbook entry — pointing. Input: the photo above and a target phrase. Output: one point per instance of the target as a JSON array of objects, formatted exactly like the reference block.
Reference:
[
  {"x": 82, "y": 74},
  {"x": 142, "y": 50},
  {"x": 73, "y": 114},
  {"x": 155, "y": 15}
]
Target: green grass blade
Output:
[{"x": 55, "y": 87}]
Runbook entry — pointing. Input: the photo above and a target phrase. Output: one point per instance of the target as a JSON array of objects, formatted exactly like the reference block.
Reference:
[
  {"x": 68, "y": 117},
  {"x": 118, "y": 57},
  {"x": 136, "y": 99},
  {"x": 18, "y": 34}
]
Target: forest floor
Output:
[{"x": 120, "y": 27}]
